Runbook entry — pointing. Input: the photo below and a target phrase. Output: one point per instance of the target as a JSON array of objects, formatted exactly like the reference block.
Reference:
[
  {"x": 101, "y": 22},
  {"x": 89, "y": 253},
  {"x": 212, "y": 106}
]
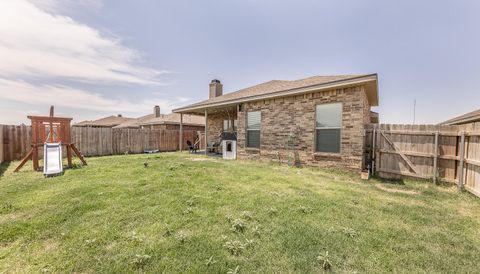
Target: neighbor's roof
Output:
[
  {"x": 466, "y": 118},
  {"x": 109, "y": 121},
  {"x": 134, "y": 123},
  {"x": 172, "y": 118},
  {"x": 280, "y": 88}
]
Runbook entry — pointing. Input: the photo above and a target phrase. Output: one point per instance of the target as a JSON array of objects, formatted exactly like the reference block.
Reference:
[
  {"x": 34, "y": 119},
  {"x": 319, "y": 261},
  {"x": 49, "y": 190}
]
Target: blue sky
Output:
[{"x": 95, "y": 58}]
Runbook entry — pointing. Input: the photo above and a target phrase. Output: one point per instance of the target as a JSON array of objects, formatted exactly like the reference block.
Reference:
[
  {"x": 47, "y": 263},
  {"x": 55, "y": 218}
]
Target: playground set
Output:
[{"x": 51, "y": 133}]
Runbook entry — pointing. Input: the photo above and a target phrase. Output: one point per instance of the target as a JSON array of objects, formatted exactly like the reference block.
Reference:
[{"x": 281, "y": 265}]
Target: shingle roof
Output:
[
  {"x": 272, "y": 87},
  {"x": 469, "y": 117},
  {"x": 172, "y": 118},
  {"x": 134, "y": 123},
  {"x": 109, "y": 121}
]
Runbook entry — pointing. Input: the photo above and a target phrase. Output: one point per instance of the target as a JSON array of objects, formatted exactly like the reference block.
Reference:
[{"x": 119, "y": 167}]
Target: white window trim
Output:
[{"x": 322, "y": 128}]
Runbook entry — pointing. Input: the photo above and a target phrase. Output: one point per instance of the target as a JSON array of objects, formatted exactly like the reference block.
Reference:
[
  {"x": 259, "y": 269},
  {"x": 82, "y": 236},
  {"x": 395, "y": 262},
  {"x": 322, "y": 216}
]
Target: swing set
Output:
[{"x": 47, "y": 130}]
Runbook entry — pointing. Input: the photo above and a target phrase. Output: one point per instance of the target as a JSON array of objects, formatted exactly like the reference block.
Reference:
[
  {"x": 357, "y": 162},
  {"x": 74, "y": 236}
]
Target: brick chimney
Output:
[
  {"x": 156, "y": 111},
  {"x": 216, "y": 88}
]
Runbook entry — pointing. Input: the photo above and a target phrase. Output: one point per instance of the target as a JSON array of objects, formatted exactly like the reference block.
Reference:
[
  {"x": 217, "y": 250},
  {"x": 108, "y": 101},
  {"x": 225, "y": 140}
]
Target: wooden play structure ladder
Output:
[{"x": 52, "y": 130}]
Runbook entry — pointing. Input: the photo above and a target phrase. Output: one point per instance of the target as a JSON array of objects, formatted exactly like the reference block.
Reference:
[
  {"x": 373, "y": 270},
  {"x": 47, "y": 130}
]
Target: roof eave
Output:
[{"x": 352, "y": 81}]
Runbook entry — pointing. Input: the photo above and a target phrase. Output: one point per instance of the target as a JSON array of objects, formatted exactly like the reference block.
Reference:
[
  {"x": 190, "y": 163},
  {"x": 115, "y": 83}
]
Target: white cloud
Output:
[
  {"x": 63, "y": 6},
  {"x": 67, "y": 97},
  {"x": 34, "y": 42}
]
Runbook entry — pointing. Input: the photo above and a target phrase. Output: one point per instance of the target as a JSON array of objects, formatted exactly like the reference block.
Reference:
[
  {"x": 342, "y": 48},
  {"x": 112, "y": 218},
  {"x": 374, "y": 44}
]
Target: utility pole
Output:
[{"x": 414, "y": 109}]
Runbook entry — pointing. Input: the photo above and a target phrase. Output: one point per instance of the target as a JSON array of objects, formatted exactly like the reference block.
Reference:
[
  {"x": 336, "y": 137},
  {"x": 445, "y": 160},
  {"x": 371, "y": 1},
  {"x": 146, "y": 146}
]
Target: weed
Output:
[
  {"x": 349, "y": 232},
  {"x": 168, "y": 232},
  {"x": 188, "y": 210},
  {"x": 210, "y": 261},
  {"x": 181, "y": 237},
  {"x": 139, "y": 261},
  {"x": 6, "y": 208},
  {"x": 235, "y": 270},
  {"x": 272, "y": 211},
  {"x": 306, "y": 210},
  {"x": 234, "y": 247},
  {"x": 324, "y": 260},
  {"x": 256, "y": 231},
  {"x": 239, "y": 225},
  {"x": 247, "y": 215}
]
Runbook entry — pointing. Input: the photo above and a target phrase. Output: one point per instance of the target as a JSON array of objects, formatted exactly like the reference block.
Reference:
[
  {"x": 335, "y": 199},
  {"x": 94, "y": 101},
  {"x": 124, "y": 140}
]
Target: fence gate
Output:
[{"x": 440, "y": 153}]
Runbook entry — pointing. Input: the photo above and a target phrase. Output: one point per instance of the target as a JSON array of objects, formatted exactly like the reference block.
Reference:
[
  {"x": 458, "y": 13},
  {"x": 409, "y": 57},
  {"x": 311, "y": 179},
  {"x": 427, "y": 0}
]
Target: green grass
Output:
[{"x": 190, "y": 214}]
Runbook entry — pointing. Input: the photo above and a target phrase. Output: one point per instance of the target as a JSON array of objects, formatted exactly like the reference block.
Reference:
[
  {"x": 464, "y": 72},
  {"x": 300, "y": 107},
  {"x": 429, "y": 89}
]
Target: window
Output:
[
  {"x": 253, "y": 129},
  {"x": 328, "y": 126},
  {"x": 227, "y": 125}
]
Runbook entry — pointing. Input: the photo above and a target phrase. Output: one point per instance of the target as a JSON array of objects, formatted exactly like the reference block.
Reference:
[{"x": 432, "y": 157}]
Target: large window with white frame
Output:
[
  {"x": 253, "y": 129},
  {"x": 328, "y": 126}
]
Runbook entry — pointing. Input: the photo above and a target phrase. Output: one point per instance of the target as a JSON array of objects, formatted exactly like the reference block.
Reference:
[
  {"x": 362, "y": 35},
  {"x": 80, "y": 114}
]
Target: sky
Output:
[{"x": 95, "y": 58}]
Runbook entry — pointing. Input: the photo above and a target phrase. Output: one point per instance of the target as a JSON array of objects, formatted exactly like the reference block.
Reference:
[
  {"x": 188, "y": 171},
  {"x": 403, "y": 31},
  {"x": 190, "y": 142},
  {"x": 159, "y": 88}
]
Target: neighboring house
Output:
[
  {"x": 110, "y": 121},
  {"x": 156, "y": 120},
  {"x": 317, "y": 121},
  {"x": 466, "y": 118}
]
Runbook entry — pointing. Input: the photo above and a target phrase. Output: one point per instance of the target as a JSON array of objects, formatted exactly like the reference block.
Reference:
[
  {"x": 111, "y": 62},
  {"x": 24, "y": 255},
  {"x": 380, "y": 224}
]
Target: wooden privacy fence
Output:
[
  {"x": 98, "y": 141},
  {"x": 441, "y": 153}
]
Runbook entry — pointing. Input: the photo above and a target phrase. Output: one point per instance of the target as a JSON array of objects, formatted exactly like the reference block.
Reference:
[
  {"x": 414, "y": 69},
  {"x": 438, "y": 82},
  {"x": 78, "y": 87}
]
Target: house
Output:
[
  {"x": 156, "y": 120},
  {"x": 110, "y": 121},
  {"x": 470, "y": 117},
  {"x": 318, "y": 121}
]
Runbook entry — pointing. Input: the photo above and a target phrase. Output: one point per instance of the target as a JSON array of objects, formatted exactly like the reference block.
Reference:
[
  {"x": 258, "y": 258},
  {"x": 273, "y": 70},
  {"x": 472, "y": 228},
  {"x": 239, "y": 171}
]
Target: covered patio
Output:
[{"x": 220, "y": 125}]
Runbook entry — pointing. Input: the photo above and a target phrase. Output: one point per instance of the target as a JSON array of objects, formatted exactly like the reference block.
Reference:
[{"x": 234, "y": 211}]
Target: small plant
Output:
[
  {"x": 168, "y": 231},
  {"x": 229, "y": 218},
  {"x": 181, "y": 237},
  {"x": 139, "y": 261},
  {"x": 249, "y": 243},
  {"x": 210, "y": 261},
  {"x": 256, "y": 231},
  {"x": 247, "y": 215},
  {"x": 235, "y": 270},
  {"x": 324, "y": 260},
  {"x": 239, "y": 225},
  {"x": 272, "y": 211},
  {"x": 234, "y": 247},
  {"x": 6, "y": 207},
  {"x": 191, "y": 202},
  {"x": 90, "y": 241},
  {"x": 135, "y": 237},
  {"x": 305, "y": 209},
  {"x": 349, "y": 232},
  {"x": 188, "y": 210}
]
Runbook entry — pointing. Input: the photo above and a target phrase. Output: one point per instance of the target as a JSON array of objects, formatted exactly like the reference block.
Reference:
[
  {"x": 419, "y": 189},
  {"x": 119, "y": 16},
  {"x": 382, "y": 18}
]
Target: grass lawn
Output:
[{"x": 190, "y": 214}]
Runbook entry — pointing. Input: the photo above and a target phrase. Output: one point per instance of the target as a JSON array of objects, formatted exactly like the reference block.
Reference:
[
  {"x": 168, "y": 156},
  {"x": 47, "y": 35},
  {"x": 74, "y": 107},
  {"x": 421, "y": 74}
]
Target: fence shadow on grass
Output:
[{"x": 3, "y": 168}]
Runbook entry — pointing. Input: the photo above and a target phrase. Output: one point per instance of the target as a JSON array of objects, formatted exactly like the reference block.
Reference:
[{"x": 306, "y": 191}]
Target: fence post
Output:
[
  {"x": 374, "y": 156},
  {"x": 1, "y": 144},
  {"x": 460, "y": 172},
  {"x": 435, "y": 159}
]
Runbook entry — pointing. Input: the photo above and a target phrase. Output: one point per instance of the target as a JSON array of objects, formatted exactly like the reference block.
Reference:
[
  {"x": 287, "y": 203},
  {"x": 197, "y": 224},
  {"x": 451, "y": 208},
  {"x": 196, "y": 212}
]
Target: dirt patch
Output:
[
  {"x": 396, "y": 190},
  {"x": 201, "y": 159}
]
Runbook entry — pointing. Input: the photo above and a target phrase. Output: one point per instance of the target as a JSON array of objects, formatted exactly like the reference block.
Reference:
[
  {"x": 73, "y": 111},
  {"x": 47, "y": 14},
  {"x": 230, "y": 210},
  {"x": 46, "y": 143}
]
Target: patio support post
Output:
[
  {"x": 181, "y": 132},
  {"x": 206, "y": 131}
]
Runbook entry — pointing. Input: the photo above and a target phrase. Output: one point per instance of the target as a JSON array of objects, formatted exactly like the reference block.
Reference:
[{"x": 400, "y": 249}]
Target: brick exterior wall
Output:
[
  {"x": 215, "y": 123},
  {"x": 295, "y": 116}
]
